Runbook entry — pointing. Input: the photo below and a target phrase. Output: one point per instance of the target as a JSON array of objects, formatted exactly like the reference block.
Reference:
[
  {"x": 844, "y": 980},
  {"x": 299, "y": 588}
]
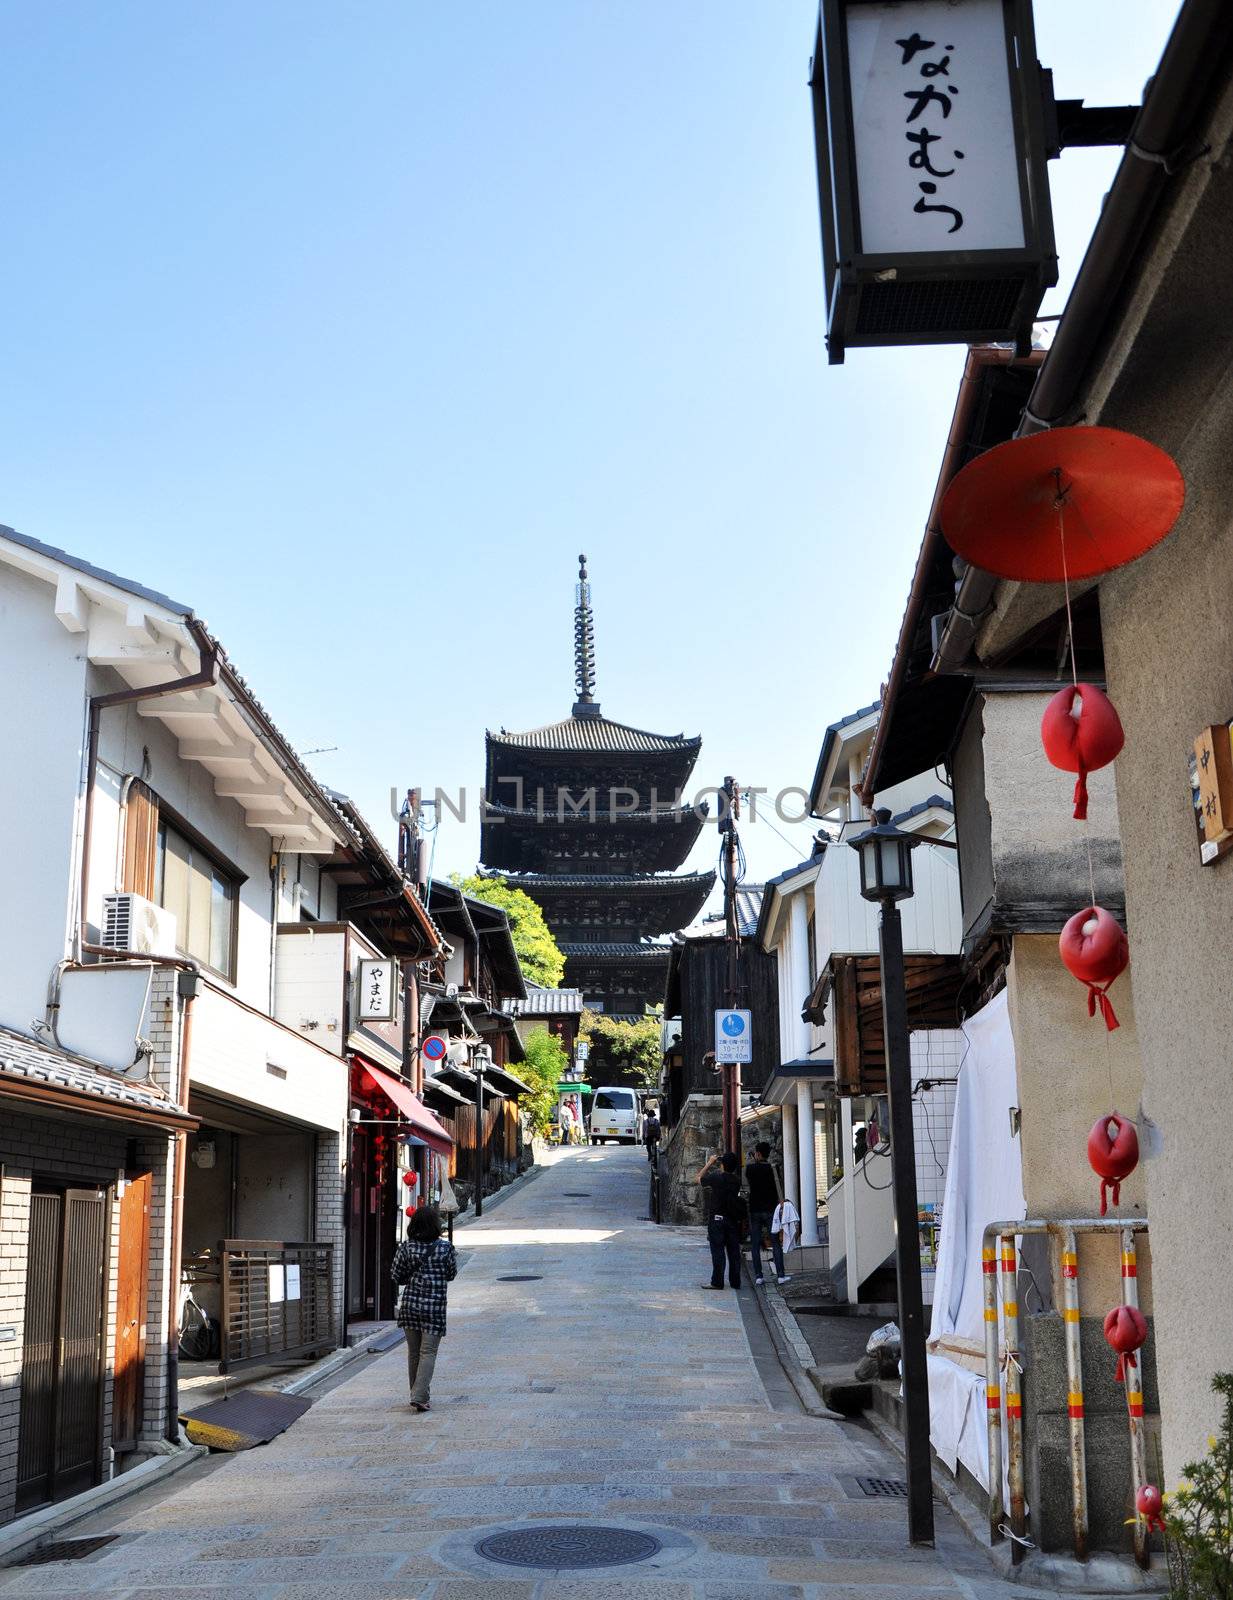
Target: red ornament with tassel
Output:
[
  {"x": 1113, "y": 1151},
  {"x": 1149, "y": 1503},
  {"x": 1125, "y": 1332},
  {"x": 1095, "y": 949},
  {"x": 1081, "y": 732}
]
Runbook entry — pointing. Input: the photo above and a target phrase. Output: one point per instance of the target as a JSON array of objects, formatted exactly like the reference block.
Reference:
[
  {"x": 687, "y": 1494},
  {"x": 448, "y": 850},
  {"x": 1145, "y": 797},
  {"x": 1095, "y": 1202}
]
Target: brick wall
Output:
[
  {"x": 39, "y": 1148},
  {"x": 330, "y": 1220}
]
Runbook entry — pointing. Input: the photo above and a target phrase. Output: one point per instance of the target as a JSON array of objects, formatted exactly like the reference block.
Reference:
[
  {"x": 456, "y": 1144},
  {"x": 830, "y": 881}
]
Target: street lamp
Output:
[{"x": 885, "y": 854}]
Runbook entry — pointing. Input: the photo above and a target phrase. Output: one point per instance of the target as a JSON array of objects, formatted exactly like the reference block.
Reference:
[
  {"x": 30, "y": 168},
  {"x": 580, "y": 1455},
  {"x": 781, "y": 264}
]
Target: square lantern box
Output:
[{"x": 930, "y": 133}]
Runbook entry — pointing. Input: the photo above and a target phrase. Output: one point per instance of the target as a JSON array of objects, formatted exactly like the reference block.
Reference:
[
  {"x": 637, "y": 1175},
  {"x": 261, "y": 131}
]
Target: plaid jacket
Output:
[{"x": 423, "y": 1270}]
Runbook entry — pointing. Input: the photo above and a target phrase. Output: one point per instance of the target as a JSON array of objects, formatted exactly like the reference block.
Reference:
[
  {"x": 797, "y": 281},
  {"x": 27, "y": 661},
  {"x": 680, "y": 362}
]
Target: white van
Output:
[{"x": 615, "y": 1115}]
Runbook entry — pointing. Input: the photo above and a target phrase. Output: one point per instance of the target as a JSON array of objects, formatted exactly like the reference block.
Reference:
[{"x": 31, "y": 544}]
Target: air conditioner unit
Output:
[
  {"x": 458, "y": 1052},
  {"x": 133, "y": 923}
]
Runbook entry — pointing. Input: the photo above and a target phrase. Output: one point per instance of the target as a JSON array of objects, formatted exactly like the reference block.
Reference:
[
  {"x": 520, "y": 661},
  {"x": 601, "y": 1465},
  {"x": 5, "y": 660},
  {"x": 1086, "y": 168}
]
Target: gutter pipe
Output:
[{"x": 1154, "y": 155}]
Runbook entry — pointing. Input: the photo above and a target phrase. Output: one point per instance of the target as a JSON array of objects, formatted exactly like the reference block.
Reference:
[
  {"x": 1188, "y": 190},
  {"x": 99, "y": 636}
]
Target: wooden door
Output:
[
  {"x": 59, "y": 1446},
  {"x": 132, "y": 1291}
]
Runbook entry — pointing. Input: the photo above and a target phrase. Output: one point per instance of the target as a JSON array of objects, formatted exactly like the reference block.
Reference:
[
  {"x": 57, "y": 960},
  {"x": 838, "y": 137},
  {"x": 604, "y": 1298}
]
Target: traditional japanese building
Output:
[{"x": 590, "y": 817}]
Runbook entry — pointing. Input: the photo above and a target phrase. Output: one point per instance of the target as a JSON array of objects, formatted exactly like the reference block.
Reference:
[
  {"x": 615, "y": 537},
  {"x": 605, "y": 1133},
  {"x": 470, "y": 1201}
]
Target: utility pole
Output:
[{"x": 729, "y": 812}]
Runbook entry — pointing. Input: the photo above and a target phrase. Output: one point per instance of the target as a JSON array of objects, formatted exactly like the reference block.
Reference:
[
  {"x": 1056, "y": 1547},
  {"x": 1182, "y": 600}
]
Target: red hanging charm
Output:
[
  {"x": 1126, "y": 1332},
  {"x": 410, "y": 1179},
  {"x": 1081, "y": 732},
  {"x": 1149, "y": 1503},
  {"x": 411, "y": 1210},
  {"x": 1095, "y": 949},
  {"x": 1113, "y": 1151}
]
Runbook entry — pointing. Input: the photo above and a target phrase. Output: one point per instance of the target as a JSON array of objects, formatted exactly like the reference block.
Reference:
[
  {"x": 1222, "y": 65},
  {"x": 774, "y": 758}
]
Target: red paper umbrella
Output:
[
  {"x": 1149, "y": 1503},
  {"x": 1095, "y": 949},
  {"x": 1113, "y": 1151},
  {"x": 1081, "y": 732},
  {"x": 1125, "y": 1332},
  {"x": 1119, "y": 495}
]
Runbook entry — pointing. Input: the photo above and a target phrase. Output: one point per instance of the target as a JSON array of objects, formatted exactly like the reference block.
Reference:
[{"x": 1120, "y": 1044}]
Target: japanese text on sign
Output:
[
  {"x": 934, "y": 135},
  {"x": 377, "y": 991}
]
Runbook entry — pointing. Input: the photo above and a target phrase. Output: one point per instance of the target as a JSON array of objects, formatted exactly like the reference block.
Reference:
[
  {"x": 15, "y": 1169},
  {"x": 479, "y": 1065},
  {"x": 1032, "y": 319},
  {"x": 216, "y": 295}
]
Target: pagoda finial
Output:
[{"x": 584, "y": 646}]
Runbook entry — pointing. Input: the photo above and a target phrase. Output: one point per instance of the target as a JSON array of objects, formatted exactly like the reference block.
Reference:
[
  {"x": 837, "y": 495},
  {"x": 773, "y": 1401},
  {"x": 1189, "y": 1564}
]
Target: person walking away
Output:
[
  {"x": 424, "y": 1264},
  {"x": 785, "y": 1223},
  {"x": 762, "y": 1182},
  {"x": 650, "y": 1136},
  {"x": 719, "y": 1179}
]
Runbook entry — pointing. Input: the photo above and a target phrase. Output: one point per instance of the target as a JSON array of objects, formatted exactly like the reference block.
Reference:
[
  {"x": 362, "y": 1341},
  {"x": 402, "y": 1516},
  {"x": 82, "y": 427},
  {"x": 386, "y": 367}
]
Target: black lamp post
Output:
[
  {"x": 885, "y": 854},
  {"x": 479, "y": 1062}
]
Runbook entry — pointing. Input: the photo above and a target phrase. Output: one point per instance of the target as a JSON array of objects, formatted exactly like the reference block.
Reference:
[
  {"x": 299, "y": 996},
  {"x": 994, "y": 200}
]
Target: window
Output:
[
  {"x": 201, "y": 894},
  {"x": 615, "y": 1100}
]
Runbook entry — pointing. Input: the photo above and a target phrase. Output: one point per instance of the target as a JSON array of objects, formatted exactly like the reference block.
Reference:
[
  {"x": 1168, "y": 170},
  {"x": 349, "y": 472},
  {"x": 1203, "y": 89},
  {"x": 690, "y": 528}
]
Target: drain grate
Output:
[
  {"x": 572, "y": 1548},
  {"x": 66, "y": 1550},
  {"x": 883, "y": 1488},
  {"x": 575, "y": 1194},
  {"x": 521, "y": 1277}
]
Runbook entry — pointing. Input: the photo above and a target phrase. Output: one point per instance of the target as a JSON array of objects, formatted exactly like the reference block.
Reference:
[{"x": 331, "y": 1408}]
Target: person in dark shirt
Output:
[
  {"x": 720, "y": 1182},
  {"x": 763, "y": 1186}
]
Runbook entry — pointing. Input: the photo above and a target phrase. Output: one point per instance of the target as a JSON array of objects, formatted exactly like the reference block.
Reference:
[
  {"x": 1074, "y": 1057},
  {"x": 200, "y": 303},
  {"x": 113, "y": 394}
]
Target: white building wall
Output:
[
  {"x": 309, "y": 986},
  {"x": 42, "y": 735}
]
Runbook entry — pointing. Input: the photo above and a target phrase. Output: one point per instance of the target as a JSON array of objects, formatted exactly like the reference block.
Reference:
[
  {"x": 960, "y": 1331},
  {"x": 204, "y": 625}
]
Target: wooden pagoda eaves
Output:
[{"x": 933, "y": 985}]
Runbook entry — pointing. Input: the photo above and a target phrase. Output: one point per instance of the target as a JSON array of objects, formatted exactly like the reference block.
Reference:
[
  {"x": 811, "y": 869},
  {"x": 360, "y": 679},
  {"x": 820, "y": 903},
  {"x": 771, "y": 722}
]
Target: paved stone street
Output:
[{"x": 610, "y": 1390}]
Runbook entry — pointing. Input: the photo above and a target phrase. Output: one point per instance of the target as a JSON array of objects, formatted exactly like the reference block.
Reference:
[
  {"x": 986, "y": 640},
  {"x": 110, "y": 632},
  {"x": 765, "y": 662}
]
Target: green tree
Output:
[
  {"x": 543, "y": 1069},
  {"x": 1199, "y": 1514},
  {"x": 633, "y": 1045},
  {"x": 539, "y": 955}
]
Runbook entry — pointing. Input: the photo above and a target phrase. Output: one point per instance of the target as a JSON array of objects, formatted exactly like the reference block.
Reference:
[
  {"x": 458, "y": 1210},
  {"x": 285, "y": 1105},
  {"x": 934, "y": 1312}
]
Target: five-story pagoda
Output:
[{"x": 589, "y": 817}]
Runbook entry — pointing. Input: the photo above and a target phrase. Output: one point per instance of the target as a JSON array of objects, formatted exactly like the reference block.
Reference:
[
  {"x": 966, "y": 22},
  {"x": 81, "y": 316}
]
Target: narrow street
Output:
[{"x": 607, "y": 1389}]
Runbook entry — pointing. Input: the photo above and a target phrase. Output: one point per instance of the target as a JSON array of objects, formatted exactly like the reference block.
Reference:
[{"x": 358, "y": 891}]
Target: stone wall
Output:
[{"x": 695, "y": 1137}]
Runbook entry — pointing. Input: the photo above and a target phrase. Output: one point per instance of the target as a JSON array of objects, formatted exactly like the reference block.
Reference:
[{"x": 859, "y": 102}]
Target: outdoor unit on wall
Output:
[
  {"x": 929, "y": 125},
  {"x": 133, "y": 923}
]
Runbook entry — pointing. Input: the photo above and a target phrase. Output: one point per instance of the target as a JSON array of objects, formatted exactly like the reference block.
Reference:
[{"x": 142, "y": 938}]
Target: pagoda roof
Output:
[
  {"x": 661, "y": 816},
  {"x": 594, "y": 736},
  {"x": 608, "y": 953},
  {"x": 666, "y": 882}
]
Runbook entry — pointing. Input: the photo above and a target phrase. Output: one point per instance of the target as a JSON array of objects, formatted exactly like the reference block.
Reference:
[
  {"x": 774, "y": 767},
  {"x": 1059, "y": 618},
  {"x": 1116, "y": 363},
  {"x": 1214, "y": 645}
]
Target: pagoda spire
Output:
[{"x": 584, "y": 647}]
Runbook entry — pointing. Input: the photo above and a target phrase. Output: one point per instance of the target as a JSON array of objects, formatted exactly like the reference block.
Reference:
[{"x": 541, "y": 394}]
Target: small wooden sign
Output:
[{"x": 1213, "y": 765}]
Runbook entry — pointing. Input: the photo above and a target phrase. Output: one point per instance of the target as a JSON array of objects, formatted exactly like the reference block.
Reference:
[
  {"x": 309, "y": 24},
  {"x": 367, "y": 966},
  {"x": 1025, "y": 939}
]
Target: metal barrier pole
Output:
[
  {"x": 1074, "y": 1385},
  {"x": 993, "y": 1389},
  {"x": 1014, "y": 1399},
  {"x": 1134, "y": 1397}
]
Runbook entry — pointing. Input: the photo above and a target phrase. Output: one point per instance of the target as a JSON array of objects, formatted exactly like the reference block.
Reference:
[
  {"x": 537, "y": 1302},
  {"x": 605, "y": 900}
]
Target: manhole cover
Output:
[
  {"x": 520, "y": 1277},
  {"x": 66, "y": 1550},
  {"x": 883, "y": 1488},
  {"x": 568, "y": 1547}
]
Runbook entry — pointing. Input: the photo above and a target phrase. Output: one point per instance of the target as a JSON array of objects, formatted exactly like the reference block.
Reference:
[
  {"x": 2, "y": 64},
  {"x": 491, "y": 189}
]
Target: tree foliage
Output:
[
  {"x": 633, "y": 1045},
  {"x": 539, "y": 955},
  {"x": 1199, "y": 1514},
  {"x": 543, "y": 1069}
]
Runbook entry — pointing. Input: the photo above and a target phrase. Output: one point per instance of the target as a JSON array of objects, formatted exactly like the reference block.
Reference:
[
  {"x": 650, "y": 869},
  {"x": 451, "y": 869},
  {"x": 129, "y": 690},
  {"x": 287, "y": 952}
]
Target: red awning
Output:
[{"x": 423, "y": 1123}]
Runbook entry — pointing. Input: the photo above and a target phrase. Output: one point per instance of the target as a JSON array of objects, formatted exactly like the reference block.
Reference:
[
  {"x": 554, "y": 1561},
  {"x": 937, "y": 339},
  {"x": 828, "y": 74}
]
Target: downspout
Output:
[
  {"x": 187, "y": 985},
  {"x": 206, "y": 675},
  {"x": 1154, "y": 155}
]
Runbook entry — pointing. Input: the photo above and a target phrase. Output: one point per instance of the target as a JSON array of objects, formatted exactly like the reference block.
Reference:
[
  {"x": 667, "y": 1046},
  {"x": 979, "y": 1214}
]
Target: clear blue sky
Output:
[{"x": 352, "y": 325}]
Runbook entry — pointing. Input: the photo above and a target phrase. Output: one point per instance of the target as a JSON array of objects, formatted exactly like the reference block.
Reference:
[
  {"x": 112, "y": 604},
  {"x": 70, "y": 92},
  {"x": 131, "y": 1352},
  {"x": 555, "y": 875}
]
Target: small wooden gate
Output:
[
  {"x": 278, "y": 1301},
  {"x": 59, "y": 1446}
]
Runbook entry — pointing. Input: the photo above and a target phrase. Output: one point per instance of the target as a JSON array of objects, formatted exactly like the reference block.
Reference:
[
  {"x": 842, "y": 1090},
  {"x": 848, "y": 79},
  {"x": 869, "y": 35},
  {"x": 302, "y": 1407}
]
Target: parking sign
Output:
[{"x": 733, "y": 1037}]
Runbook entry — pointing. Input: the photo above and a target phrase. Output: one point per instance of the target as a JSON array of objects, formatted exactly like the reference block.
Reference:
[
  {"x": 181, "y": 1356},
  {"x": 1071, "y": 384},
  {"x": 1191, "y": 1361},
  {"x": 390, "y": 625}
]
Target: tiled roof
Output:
[
  {"x": 669, "y": 815},
  {"x": 748, "y": 905},
  {"x": 667, "y": 881},
  {"x": 615, "y": 952},
  {"x": 934, "y": 802},
  {"x": 594, "y": 734},
  {"x": 90, "y": 571},
  {"x": 546, "y": 1003},
  {"x": 29, "y": 1061}
]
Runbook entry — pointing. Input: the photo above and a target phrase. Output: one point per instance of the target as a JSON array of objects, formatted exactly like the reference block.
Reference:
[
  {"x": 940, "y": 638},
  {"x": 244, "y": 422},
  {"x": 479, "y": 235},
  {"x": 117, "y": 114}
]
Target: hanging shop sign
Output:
[
  {"x": 378, "y": 987},
  {"x": 931, "y": 148}
]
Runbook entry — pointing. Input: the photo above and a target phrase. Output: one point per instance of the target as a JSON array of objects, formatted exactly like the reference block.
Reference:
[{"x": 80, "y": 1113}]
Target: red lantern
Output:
[
  {"x": 1113, "y": 1150},
  {"x": 1149, "y": 1503},
  {"x": 1095, "y": 949},
  {"x": 1125, "y": 1332},
  {"x": 410, "y": 1179},
  {"x": 1081, "y": 732},
  {"x": 411, "y": 1210}
]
